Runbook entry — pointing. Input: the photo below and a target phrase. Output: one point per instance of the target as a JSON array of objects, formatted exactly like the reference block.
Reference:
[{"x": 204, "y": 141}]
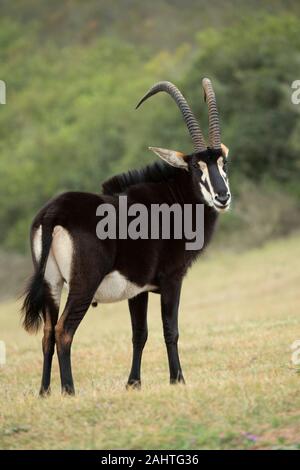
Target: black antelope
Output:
[{"x": 66, "y": 250}]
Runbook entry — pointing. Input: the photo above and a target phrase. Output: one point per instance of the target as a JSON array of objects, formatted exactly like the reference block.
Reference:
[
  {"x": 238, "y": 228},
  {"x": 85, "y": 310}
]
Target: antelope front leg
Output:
[
  {"x": 170, "y": 295},
  {"x": 138, "y": 312}
]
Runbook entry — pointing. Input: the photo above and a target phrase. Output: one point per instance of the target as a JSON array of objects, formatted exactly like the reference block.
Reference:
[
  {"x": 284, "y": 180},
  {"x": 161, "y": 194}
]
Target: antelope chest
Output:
[{"x": 115, "y": 287}]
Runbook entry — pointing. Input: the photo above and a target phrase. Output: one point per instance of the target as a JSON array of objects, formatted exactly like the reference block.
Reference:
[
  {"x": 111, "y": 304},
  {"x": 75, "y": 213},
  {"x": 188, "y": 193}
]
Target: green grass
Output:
[{"x": 239, "y": 316}]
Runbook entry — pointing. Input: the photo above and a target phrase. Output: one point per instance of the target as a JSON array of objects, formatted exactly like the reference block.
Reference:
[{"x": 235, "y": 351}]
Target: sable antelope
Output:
[{"x": 66, "y": 250}]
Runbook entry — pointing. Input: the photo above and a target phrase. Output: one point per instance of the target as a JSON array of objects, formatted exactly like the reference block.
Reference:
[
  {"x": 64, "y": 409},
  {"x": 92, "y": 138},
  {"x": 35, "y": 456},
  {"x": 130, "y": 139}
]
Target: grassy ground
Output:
[{"x": 239, "y": 316}]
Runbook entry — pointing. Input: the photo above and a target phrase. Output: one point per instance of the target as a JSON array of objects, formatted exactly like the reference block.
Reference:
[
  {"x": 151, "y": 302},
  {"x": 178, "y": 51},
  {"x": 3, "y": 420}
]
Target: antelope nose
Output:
[{"x": 222, "y": 198}]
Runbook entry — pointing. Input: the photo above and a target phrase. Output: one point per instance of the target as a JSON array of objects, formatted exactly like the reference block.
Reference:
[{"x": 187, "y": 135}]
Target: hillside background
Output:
[{"x": 75, "y": 70}]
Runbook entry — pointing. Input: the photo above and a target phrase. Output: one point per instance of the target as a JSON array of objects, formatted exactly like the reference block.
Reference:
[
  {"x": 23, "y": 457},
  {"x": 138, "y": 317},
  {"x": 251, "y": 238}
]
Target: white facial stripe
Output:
[
  {"x": 222, "y": 172},
  {"x": 206, "y": 194},
  {"x": 206, "y": 178},
  {"x": 204, "y": 169},
  {"x": 209, "y": 196},
  {"x": 223, "y": 176}
]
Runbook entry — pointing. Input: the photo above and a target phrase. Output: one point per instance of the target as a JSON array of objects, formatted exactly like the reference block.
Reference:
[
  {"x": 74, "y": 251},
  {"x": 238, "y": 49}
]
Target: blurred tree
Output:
[{"x": 69, "y": 121}]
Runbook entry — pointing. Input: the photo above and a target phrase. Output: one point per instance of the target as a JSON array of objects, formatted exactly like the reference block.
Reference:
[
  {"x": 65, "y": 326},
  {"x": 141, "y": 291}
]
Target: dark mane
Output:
[{"x": 154, "y": 173}]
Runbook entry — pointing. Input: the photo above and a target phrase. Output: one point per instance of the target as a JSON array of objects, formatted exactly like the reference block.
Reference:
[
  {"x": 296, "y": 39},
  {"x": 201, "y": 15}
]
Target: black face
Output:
[{"x": 210, "y": 172}]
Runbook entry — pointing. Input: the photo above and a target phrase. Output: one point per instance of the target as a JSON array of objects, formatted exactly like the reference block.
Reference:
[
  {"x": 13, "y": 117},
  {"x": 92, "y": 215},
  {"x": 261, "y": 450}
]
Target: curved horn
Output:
[
  {"x": 188, "y": 116},
  {"x": 213, "y": 115}
]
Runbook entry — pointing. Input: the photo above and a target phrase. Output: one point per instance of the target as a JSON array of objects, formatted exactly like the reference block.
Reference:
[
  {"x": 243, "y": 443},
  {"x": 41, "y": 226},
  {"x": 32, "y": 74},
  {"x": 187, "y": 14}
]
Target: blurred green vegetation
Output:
[{"x": 75, "y": 70}]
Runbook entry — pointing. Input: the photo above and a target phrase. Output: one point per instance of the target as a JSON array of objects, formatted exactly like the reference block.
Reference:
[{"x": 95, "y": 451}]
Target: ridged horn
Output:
[
  {"x": 213, "y": 115},
  {"x": 188, "y": 116}
]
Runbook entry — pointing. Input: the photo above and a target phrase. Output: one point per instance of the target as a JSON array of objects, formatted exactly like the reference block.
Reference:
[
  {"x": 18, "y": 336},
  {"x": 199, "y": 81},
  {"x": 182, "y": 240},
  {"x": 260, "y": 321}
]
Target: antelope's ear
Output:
[
  {"x": 225, "y": 150},
  {"x": 171, "y": 156}
]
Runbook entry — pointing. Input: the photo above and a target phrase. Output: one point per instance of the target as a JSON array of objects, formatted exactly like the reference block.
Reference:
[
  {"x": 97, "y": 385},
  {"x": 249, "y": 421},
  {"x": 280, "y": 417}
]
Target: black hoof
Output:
[
  {"x": 44, "y": 392},
  {"x": 133, "y": 385},
  {"x": 68, "y": 390},
  {"x": 177, "y": 380}
]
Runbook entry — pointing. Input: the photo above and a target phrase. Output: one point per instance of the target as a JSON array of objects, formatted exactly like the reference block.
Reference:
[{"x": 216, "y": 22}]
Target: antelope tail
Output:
[{"x": 36, "y": 291}]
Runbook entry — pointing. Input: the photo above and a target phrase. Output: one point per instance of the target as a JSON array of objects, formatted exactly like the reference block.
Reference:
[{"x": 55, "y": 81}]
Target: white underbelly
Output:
[{"x": 115, "y": 287}]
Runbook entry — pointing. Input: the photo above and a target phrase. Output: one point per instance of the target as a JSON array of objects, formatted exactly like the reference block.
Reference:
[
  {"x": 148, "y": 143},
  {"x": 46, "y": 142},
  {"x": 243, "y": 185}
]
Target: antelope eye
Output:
[{"x": 222, "y": 163}]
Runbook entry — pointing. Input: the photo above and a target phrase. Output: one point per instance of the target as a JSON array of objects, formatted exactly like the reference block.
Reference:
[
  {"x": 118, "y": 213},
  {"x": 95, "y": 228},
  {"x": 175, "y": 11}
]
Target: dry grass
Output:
[{"x": 239, "y": 316}]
